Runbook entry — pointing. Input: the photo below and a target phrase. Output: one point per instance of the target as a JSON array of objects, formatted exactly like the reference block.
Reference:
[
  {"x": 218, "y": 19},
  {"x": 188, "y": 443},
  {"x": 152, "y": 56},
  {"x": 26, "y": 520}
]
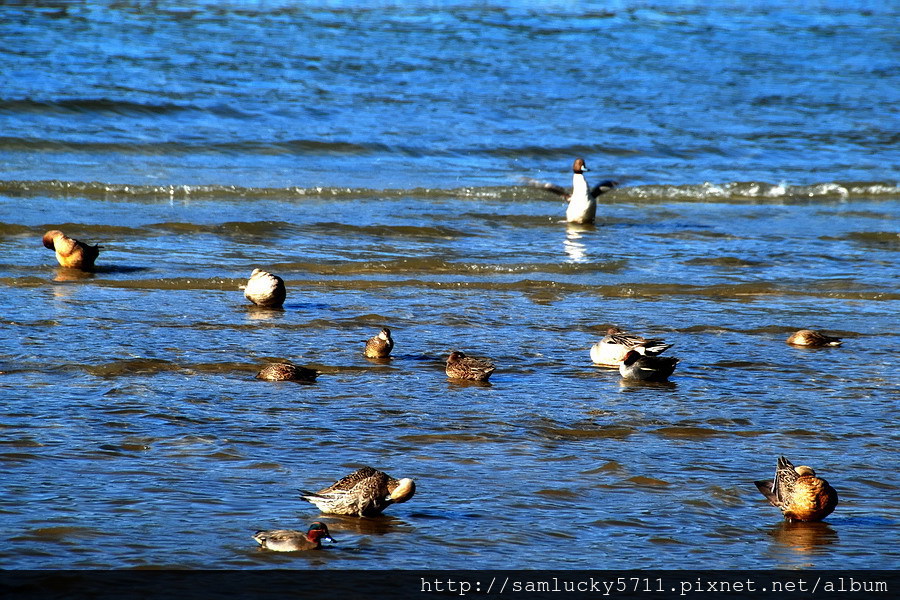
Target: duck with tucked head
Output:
[
  {"x": 70, "y": 252},
  {"x": 381, "y": 345},
  {"x": 812, "y": 339},
  {"x": 290, "y": 540},
  {"x": 265, "y": 289},
  {"x": 364, "y": 493},
  {"x": 611, "y": 350},
  {"x": 286, "y": 372},
  {"x": 460, "y": 366},
  {"x": 583, "y": 198},
  {"x": 799, "y": 493},
  {"x": 637, "y": 367}
]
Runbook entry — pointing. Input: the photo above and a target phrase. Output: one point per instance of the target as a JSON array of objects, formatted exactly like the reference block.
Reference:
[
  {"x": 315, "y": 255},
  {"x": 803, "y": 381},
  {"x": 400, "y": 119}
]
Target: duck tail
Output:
[{"x": 766, "y": 488}]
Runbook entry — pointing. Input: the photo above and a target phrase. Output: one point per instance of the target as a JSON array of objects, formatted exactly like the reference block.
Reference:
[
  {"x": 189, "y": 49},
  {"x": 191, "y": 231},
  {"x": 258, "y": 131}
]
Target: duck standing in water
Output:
[
  {"x": 70, "y": 252},
  {"x": 812, "y": 339},
  {"x": 381, "y": 345},
  {"x": 460, "y": 366},
  {"x": 290, "y": 540},
  {"x": 637, "y": 367},
  {"x": 611, "y": 350},
  {"x": 799, "y": 494},
  {"x": 265, "y": 289},
  {"x": 286, "y": 372},
  {"x": 583, "y": 198},
  {"x": 364, "y": 493}
]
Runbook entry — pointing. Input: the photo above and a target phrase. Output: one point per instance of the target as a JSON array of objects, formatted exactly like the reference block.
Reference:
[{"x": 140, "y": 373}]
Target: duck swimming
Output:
[
  {"x": 265, "y": 289},
  {"x": 812, "y": 339},
  {"x": 70, "y": 252},
  {"x": 286, "y": 372},
  {"x": 460, "y": 366},
  {"x": 582, "y": 199},
  {"x": 799, "y": 494},
  {"x": 381, "y": 345},
  {"x": 637, "y": 367},
  {"x": 611, "y": 350},
  {"x": 364, "y": 493},
  {"x": 289, "y": 540}
]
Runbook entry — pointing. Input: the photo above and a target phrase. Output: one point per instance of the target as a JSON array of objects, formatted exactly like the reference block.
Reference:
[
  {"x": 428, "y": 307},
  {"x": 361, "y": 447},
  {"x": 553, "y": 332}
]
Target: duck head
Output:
[{"x": 318, "y": 531}]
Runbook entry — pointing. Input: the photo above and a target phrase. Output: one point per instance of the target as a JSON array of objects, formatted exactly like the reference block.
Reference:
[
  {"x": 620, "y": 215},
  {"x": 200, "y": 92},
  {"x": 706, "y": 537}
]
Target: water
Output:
[{"x": 373, "y": 159}]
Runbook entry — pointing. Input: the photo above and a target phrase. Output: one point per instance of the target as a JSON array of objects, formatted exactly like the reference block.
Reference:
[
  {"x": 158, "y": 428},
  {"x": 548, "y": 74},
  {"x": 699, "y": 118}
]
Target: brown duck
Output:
[
  {"x": 290, "y": 540},
  {"x": 460, "y": 366},
  {"x": 286, "y": 372},
  {"x": 381, "y": 345},
  {"x": 812, "y": 339},
  {"x": 70, "y": 252},
  {"x": 364, "y": 493},
  {"x": 799, "y": 494}
]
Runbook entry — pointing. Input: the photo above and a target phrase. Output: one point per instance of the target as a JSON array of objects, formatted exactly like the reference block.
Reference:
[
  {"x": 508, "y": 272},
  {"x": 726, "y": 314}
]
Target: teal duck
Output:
[{"x": 290, "y": 540}]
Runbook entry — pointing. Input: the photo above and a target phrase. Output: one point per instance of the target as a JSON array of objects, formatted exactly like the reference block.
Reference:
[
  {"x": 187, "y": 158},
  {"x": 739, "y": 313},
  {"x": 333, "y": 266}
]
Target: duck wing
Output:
[{"x": 603, "y": 187}]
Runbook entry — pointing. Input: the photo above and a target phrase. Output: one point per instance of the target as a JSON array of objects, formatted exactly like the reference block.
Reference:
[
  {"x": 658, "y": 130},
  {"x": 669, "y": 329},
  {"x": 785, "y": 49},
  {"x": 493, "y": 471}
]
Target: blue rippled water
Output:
[
  {"x": 373, "y": 157},
  {"x": 442, "y": 95}
]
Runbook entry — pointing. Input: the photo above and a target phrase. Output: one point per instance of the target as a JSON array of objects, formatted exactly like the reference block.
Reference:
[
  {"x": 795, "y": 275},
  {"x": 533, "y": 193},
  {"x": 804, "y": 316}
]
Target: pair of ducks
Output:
[
  {"x": 378, "y": 347},
  {"x": 459, "y": 366},
  {"x": 364, "y": 493}
]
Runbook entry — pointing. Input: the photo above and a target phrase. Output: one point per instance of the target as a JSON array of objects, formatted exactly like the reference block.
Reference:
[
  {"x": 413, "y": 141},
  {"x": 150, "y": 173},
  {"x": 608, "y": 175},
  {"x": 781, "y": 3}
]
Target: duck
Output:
[
  {"x": 812, "y": 339},
  {"x": 290, "y": 540},
  {"x": 798, "y": 492},
  {"x": 611, "y": 350},
  {"x": 582, "y": 199},
  {"x": 70, "y": 252},
  {"x": 286, "y": 372},
  {"x": 460, "y": 366},
  {"x": 265, "y": 289},
  {"x": 638, "y": 367},
  {"x": 364, "y": 493},
  {"x": 381, "y": 345}
]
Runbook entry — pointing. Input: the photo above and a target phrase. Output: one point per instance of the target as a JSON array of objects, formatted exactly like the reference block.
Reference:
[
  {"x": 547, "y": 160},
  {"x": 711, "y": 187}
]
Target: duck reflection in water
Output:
[
  {"x": 378, "y": 525},
  {"x": 804, "y": 537},
  {"x": 70, "y": 274},
  {"x": 574, "y": 247}
]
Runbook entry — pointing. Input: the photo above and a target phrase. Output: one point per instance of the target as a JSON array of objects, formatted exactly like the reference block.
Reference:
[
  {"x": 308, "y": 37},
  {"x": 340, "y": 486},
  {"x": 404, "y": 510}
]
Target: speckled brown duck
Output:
[
  {"x": 290, "y": 540},
  {"x": 812, "y": 339},
  {"x": 265, "y": 289},
  {"x": 381, "y": 345},
  {"x": 286, "y": 372},
  {"x": 799, "y": 494},
  {"x": 364, "y": 493},
  {"x": 70, "y": 252},
  {"x": 460, "y": 366},
  {"x": 611, "y": 350}
]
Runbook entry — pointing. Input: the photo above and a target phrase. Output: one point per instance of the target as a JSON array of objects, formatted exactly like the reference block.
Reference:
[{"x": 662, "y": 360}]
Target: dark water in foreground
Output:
[{"x": 371, "y": 158}]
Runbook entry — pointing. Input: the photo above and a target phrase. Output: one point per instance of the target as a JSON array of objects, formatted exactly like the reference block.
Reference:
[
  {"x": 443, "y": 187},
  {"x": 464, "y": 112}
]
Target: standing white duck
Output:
[{"x": 583, "y": 198}]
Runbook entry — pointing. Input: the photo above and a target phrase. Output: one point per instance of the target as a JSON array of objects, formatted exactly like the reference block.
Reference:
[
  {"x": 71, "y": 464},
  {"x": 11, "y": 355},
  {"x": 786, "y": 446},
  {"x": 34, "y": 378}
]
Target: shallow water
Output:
[{"x": 132, "y": 430}]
